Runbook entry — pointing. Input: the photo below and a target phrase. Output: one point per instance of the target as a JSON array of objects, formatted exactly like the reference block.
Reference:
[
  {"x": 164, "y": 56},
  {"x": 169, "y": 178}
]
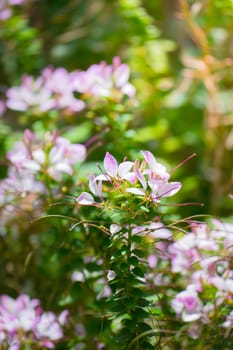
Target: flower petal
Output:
[
  {"x": 95, "y": 185},
  {"x": 150, "y": 159},
  {"x": 110, "y": 165},
  {"x": 169, "y": 189},
  {"x": 124, "y": 168},
  {"x": 85, "y": 198},
  {"x": 137, "y": 191}
]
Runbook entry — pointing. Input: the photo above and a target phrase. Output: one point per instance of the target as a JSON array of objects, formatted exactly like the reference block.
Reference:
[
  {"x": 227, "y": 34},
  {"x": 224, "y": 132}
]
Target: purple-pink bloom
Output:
[
  {"x": 95, "y": 186},
  {"x": 156, "y": 168},
  {"x": 115, "y": 171},
  {"x": 229, "y": 321},
  {"x": 19, "y": 184},
  {"x": 192, "y": 249},
  {"x": 138, "y": 179},
  {"x": 23, "y": 319},
  {"x": 54, "y": 155},
  {"x": 20, "y": 196},
  {"x": 55, "y": 89},
  {"x": 154, "y": 180},
  {"x": 52, "y": 90},
  {"x": 110, "y": 165},
  {"x": 152, "y": 260},
  {"x": 204, "y": 258},
  {"x": 188, "y": 305},
  {"x": 184, "y": 253},
  {"x": 31, "y": 94},
  {"x": 6, "y": 8},
  {"x": 102, "y": 80},
  {"x": 59, "y": 83},
  {"x": 48, "y": 328},
  {"x": 85, "y": 198}
]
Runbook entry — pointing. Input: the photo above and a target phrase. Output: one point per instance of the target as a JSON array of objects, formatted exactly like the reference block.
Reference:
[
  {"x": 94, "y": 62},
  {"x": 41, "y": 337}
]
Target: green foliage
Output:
[{"x": 61, "y": 252}]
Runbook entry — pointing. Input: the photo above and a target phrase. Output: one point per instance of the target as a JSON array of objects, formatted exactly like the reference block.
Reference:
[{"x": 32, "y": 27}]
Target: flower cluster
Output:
[
  {"x": 18, "y": 183},
  {"x": 6, "y": 8},
  {"x": 148, "y": 179},
  {"x": 55, "y": 89},
  {"x": 52, "y": 90},
  {"x": 22, "y": 321},
  {"x": 19, "y": 196},
  {"x": 104, "y": 80},
  {"x": 32, "y": 161},
  {"x": 203, "y": 258},
  {"x": 53, "y": 156}
]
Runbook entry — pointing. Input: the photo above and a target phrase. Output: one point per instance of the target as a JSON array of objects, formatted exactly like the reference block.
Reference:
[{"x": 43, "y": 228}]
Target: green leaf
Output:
[
  {"x": 139, "y": 253},
  {"x": 138, "y": 272},
  {"x": 123, "y": 336},
  {"x": 140, "y": 313},
  {"x": 143, "y": 302},
  {"x": 136, "y": 239},
  {"x": 133, "y": 260}
]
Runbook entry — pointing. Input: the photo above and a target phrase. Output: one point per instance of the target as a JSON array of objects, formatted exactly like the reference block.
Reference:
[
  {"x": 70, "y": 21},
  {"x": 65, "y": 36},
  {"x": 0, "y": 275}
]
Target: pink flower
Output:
[
  {"x": 152, "y": 260},
  {"x": 154, "y": 181},
  {"x": 62, "y": 156},
  {"x": 56, "y": 88},
  {"x": 188, "y": 305},
  {"x": 95, "y": 186},
  {"x": 133, "y": 178},
  {"x": 6, "y": 8},
  {"x": 30, "y": 95},
  {"x": 229, "y": 321},
  {"x": 23, "y": 319},
  {"x": 85, "y": 198},
  {"x": 52, "y": 90},
  {"x": 19, "y": 184},
  {"x": 184, "y": 253},
  {"x": 19, "y": 313},
  {"x": 48, "y": 328},
  {"x": 191, "y": 249},
  {"x": 156, "y": 168},
  {"x": 102, "y": 80},
  {"x": 58, "y": 81},
  {"x": 224, "y": 231},
  {"x": 115, "y": 171},
  {"x": 55, "y": 155}
]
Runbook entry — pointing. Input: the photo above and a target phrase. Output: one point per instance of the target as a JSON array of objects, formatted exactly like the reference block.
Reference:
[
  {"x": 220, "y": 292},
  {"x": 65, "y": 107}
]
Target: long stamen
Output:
[
  {"x": 183, "y": 162},
  {"x": 183, "y": 204}
]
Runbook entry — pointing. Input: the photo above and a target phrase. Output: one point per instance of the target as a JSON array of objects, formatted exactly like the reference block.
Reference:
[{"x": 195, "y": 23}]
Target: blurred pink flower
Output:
[
  {"x": 188, "y": 305},
  {"x": 55, "y": 155},
  {"x": 23, "y": 319},
  {"x": 229, "y": 321},
  {"x": 55, "y": 89},
  {"x": 104, "y": 80},
  {"x": 6, "y": 8},
  {"x": 30, "y": 95},
  {"x": 52, "y": 90}
]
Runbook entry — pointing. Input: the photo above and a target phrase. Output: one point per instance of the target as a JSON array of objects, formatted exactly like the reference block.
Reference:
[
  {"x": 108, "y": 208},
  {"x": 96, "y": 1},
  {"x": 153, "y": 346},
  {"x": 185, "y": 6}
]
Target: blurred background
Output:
[{"x": 180, "y": 55}]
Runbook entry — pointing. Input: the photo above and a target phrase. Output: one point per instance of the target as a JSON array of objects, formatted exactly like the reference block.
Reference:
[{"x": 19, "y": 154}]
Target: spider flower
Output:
[
  {"x": 54, "y": 155},
  {"x": 23, "y": 320}
]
